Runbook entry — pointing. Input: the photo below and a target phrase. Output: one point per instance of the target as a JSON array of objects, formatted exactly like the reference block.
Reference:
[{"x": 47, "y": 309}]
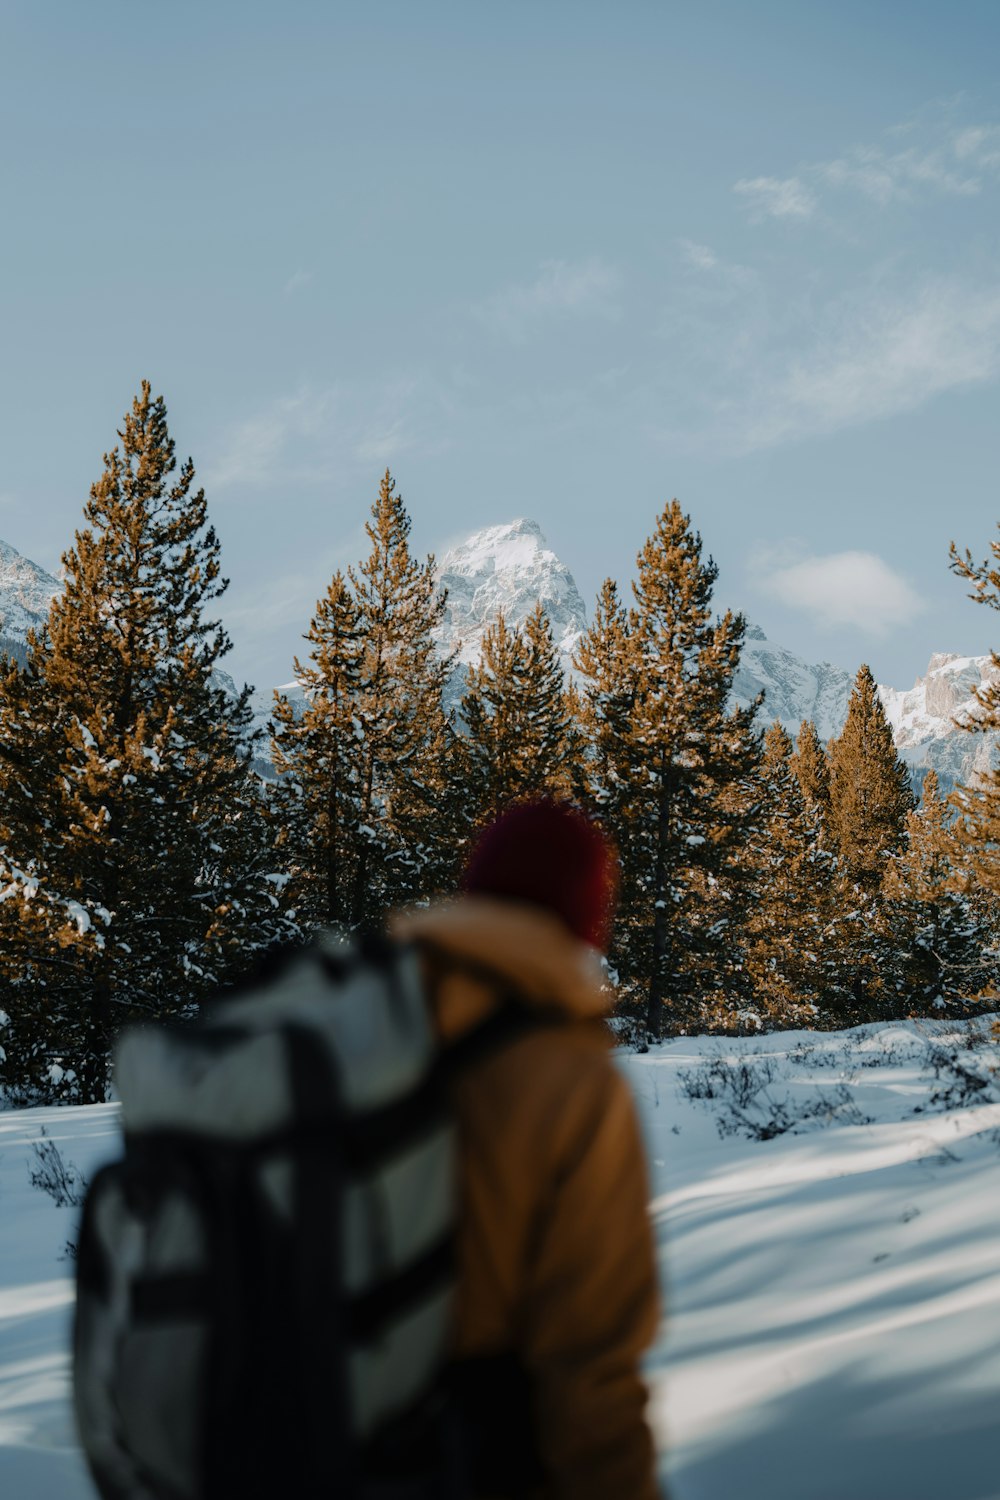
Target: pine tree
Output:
[
  {"x": 404, "y": 847},
  {"x": 870, "y": 801},
  {"x": 942, "y": 936},
  {"x": 549, "y": 708},
  {"x": 519, "y": 737},
  {"x": 496, "y": 769},
  {"x": 812, "y": 769},
  {"x": 870, "y": 792},
  {"x": 790, "y": 942},
  {"x": 726, "y": 891},
  {"x": 607, "y": 659},
  {"x": 978, "y": 806},
  {"x": 44, "y": 934},
  {"x": 148, "y": 839},
  {"x": 667, "y": 758},
  {"x": 316, "y": 802}
]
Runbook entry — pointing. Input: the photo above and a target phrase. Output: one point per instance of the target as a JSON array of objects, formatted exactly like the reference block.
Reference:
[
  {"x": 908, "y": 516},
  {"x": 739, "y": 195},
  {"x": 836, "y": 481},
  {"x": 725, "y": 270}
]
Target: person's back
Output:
[
  {"x": 557, "y": 1294},
  {"x": 224, "y": 1305}
]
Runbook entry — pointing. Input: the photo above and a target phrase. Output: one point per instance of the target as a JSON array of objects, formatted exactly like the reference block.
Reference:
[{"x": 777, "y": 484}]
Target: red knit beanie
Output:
[{"x": 550, "y": 854}]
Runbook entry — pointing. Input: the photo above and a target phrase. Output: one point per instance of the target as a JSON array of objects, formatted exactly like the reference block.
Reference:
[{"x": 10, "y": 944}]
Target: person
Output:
[{"x": 557, "y": 1286}]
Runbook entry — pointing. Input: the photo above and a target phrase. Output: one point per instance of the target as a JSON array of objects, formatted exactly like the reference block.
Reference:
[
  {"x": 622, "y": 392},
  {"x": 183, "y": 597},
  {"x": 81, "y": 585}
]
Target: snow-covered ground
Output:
[
  {"x": 38, "y": 1455},
  {"x": 833, "y": 1290},
  {"x": 833, "y": 1326}
]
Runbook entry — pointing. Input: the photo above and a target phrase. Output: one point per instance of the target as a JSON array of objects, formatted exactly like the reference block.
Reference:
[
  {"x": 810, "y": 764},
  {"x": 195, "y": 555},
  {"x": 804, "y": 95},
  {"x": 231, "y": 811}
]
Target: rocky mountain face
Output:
[
  {"x": 924, "y": 719},
  {"x": 511, "y": 569},
  {"x": 793, "y": 689},
  {"x": 26, "y": 591}
]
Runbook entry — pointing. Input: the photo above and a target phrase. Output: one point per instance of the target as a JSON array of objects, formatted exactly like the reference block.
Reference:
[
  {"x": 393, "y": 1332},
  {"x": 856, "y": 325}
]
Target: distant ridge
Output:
[{"x": 510, "y": 567}]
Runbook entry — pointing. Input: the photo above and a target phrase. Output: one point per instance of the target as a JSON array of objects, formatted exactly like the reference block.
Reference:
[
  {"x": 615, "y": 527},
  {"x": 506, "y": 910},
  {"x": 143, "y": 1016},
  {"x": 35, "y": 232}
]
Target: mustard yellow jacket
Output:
[{"x": 556, "y": 1261}]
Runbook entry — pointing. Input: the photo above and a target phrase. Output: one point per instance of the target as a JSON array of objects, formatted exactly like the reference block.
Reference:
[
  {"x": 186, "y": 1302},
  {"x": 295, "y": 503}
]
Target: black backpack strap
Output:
[
  {"x": 494, "y": 1409},
  {"x": 512, "y": 1017},
  {"x": 502, "y": 1027}
]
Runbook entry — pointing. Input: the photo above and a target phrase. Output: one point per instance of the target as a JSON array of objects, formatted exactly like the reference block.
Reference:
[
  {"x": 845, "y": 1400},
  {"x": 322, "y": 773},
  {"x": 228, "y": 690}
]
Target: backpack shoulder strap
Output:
[
  {"x": 503, "y": 1026},
  {"x": 511, "y": 1018}
]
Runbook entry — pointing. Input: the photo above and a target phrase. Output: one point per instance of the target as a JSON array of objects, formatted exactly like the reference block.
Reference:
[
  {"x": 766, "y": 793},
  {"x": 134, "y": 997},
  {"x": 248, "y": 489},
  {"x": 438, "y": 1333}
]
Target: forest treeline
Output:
[{"x": 144, "y": 862}]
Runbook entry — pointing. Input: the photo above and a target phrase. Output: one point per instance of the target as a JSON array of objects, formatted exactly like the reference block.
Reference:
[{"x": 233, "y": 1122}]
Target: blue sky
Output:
[{"x": 563, "y": 260}]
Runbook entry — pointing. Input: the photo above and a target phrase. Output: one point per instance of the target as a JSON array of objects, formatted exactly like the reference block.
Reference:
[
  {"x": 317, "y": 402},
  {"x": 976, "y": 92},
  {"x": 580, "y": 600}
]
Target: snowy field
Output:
[
  {"x": 831, "y": 1262},
  {"x": 834, "y": 1291}
]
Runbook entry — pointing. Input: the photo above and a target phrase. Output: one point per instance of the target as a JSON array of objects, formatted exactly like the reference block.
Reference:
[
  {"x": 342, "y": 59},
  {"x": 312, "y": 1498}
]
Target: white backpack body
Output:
[{"x": 265, "y": 1280}]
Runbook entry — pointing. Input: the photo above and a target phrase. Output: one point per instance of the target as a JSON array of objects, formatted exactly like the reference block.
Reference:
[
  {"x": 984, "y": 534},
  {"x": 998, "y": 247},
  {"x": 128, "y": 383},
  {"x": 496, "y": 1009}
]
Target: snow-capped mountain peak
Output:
[
  {"x": 513, "y": 545},
  {"x": 509, "y": 569},
  {"x": 26, "y": 591}
]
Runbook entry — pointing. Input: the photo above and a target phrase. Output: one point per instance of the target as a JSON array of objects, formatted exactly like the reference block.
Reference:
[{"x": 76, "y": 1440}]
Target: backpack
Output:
[{"x": 265, "y": 1279}]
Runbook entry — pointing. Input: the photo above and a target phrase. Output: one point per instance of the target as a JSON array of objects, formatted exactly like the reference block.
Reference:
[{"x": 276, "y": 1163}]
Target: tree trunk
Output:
[{"x": 661, "y": 917}]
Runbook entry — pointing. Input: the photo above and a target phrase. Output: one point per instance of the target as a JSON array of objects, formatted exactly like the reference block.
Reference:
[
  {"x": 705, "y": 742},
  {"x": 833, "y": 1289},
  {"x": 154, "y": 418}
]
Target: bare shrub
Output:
[
  {"x": 960, "y": 1083},
  {"x": 52, "y": 1174},
  {"x": 734, "y": 1083},
  {"x": 746, "y": 1106}
]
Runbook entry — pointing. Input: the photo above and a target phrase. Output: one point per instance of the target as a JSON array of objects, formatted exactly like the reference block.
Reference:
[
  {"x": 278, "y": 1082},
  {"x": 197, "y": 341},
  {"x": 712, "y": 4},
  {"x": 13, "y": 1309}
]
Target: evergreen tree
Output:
[
  {"x": 316, "y": 802},
  {"x": 148, "y": 836},
  {"x": 607, "y": 659},
  {"x": 942, "y": 937},
  {"x": 715, "y": 978},
  {"x": 44, "y": 934},
  {"x": 870, "y": 792},
  {"x": 549, "y": 708},
  {"x": 667, "y": 759},
  {"x": 496, "y": 768},
  {"x": 519, "y": 739},
  {"x": 870, "y": 801},
  {"x": 812, "y": 769},
  {"x": 978, "y": 805},
  {"x": 790, "y": 943},
  {"x": 404, "y": 847}
]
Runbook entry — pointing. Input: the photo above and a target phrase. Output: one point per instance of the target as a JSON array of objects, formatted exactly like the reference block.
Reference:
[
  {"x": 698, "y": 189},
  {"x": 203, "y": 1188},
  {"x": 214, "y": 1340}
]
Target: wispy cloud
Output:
[
  {"x": 382, "y": 443},
  {"x": 410, "y": 413},
  {"x": 871, "y": 357},
  {"x": 701, "y": 257},
  {"x": 318, "y": 435},
  {"x": 296, "y": 282},
  {"x": 711, "y": 265},
  {"x": 587, "y": 288},
  {"x": 776, "y": 197},
  {"x": 831, "y": 347},
  {"x": 884, "y": 176},
  {"x": 979, "y": 144},
  {"x": 855, "y": 589},
  {"x": 259, "y": 449},
  {"x": 946, "y": 158},
  {"x": 767, "y": 362}
]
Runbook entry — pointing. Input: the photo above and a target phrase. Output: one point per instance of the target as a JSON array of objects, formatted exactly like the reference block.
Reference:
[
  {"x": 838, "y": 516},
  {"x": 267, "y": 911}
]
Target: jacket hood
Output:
[{"x": 528, "y": 947}]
